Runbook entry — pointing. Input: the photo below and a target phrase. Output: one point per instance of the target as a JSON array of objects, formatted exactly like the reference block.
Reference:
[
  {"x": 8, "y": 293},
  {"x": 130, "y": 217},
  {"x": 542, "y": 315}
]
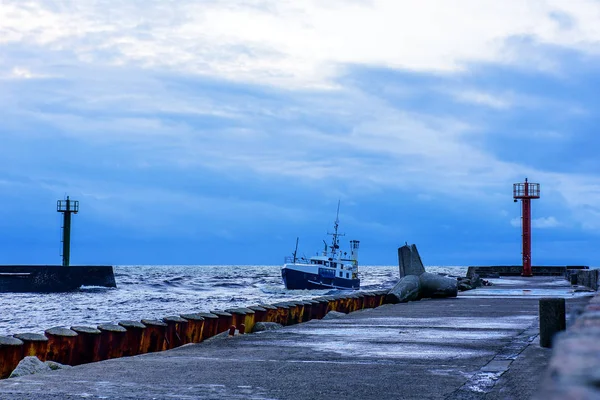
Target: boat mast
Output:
[
  {"x": 335, "y": 242},
  {"x": 296, "y": 251}
]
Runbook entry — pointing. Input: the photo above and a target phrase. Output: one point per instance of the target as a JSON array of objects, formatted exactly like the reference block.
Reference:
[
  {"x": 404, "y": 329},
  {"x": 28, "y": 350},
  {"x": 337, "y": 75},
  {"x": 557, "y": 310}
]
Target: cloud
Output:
[
  {"x": 299, "y": 44},
  {"x": 165, "y": 97},
  {"x": 482, "y": 98},
  {"x": 541, "y": 223},
  {"x": 545, "y": 222}
]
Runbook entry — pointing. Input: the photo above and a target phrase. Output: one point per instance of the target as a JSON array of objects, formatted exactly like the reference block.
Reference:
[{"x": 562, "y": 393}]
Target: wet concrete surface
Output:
[
  {"x": 469, "y": 347},
  {"x": 515, "y": 286}
]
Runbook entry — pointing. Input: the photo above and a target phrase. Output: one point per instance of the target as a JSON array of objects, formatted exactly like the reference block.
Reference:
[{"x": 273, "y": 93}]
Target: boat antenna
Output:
[
  {"x": 335, "y": 242},
  {"x": 296, "y": 251}
]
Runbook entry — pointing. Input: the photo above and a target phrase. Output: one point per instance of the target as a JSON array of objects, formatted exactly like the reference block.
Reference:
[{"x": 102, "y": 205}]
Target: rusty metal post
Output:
[
  {"x": 153, "y": 339},
  {"x": 237, "y": 317},
  {"x": 112, "y": 341},
  {"x": 300, "y": 305},
  {"x": 34, "y": 344},
  {"x": 369, "y": 300},
  {"x": 241, "y": 316},
  {"x": 306, "y": 313},
  {"x": 87, "y": 344},
  {"x": 260, "y": 313},
  {"x": 211, "y": 325},
  {"x": 133, "y": 337},
  {"x": 380, "y": 297},
  {"x": 61, "y": 345},
  {"x": 330, "y": 304},
  {"x": 11, "y": 353},
  {"x": 333, "y": 304},
  {"x": 283, "y": 311},
  {"x": 224, "y": 322},
  {"x": 308, "y": 309},
  {"x": 194, "y": 328},
  {"x": 321, "y": 308},
  {"x": 294, "y": 315},
  {"x": 314, "y": 309},
  {"x": 176, "y": 327},
  {"x": 360, "y": 301},
  {"x": 271, "y": 312},
  {"x": 249, "y": 319},
  {"x": 346, "y": 300}
]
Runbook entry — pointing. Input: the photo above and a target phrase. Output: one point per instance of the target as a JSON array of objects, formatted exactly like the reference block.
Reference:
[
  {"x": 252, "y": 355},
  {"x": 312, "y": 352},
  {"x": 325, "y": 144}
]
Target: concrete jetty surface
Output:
[{"x": 482, "y": 344}]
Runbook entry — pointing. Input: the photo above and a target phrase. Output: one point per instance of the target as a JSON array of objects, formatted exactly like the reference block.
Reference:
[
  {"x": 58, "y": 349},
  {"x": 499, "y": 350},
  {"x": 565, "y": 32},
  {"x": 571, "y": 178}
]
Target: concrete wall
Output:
[
  {"x": 573, "y": 369},
  {"x": 588, "y": 278},
  {"x": 488, "y": 271},
  {"x": 80, "y": 344},
  {"x": 53, "y": 278}
]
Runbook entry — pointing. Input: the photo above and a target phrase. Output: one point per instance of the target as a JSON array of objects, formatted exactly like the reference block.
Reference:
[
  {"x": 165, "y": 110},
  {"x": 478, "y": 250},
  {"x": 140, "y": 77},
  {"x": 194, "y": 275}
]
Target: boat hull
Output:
[{"x": 299, "y": 280}]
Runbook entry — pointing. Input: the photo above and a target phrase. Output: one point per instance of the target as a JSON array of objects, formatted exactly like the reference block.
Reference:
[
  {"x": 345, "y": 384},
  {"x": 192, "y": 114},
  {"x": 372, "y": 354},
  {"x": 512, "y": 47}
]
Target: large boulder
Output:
[
  {"x": 266, "y": 326},
  {"x": 333, "y": 315},
  {"x": 28, "y": 366},
  {"x": 56, "y": 366},
  {"x": 476, "y": 281},
  {"x": 436, "y": 286},
  {"x": 407, "y": 289}
]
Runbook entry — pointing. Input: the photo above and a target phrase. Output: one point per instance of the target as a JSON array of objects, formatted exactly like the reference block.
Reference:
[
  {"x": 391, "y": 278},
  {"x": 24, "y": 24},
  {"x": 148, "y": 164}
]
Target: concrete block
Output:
[
  {"x": 409, "y": 261},
  {"x": 407, "y": 289},
  {"x": 436, "y": 286},
  {"x": 552, "y": 319}
]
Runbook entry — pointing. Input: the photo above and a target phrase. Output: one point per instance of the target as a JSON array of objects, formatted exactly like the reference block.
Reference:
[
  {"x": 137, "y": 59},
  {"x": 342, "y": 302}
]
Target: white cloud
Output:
[
  {"x": 292, "y": 44},
  {"x": 482, "y": 98},
  {"x": 545, "y": 222},
  {"x": 22, "y": 73},
  {"x": 299, "y": 43},
  {"x": 19, "y": 72},
  {"x": 541, "y": 223}
]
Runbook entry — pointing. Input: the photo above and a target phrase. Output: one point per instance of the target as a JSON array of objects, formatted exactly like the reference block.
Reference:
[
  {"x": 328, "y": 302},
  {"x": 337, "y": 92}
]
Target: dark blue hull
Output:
[{"x": 299, "y": 280}]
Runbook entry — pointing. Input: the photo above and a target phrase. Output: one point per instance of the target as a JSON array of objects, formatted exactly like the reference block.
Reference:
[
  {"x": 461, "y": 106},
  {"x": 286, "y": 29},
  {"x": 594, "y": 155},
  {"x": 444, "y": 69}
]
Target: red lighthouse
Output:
[{"x": 525, "y": 192}]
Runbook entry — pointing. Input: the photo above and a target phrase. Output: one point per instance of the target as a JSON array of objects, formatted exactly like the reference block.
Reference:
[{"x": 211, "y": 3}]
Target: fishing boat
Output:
[{"x": 332, "y": 269}]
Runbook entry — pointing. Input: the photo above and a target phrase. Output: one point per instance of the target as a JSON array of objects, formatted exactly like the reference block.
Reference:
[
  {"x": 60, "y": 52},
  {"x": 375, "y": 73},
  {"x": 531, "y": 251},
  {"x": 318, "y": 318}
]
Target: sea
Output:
[{"x": 157, "y": 291}]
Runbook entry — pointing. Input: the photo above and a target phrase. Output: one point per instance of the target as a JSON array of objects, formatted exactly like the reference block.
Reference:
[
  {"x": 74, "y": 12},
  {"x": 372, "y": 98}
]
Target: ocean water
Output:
[{"x": 153, "y": 292}]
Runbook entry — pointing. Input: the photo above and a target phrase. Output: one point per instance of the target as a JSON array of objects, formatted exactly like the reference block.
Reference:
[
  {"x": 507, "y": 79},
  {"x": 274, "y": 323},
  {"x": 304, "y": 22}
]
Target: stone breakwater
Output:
[
  {"x": 574, "y": 369},
  {"x": 84, "y": 344}
]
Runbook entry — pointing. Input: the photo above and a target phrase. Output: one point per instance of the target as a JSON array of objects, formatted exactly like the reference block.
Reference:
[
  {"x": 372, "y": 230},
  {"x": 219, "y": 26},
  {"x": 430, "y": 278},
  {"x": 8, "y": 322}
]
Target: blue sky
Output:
[{"x": 216, "y": 132}]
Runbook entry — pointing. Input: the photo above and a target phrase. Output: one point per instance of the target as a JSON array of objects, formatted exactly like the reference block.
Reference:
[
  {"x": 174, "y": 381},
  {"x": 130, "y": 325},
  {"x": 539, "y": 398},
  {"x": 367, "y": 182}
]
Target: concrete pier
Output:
[
  {"x": 53, "y": 278},
  {"x": 482, "y": 344}
]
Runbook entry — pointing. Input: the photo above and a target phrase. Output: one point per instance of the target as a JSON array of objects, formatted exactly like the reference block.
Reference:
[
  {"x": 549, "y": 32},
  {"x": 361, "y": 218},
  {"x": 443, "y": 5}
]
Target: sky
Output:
[{"x": 219, "y": 131}]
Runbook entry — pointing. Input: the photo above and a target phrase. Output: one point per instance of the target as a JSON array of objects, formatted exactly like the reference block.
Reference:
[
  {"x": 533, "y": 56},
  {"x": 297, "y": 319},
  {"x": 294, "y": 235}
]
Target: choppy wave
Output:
[{"x": 158, "y": 291}]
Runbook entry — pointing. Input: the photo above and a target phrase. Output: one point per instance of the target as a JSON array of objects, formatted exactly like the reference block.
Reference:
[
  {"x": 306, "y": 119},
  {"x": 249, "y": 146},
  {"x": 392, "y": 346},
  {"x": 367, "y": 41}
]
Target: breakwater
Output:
[
  {"x": 155, "y": 291},
  {"x": 53, "y": 278},
  {"x": 83, "y": 344},
  {"x": 573, "y": 369},
  {"x": 495, "y": 271}
]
